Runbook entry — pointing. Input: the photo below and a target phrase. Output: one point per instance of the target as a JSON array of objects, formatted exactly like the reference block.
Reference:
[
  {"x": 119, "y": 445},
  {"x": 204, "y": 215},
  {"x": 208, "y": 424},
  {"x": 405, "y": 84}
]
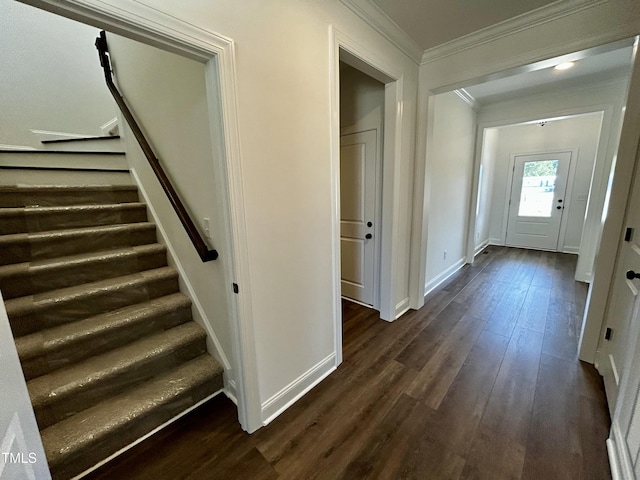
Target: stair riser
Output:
[
  {"x": 32, "y": 248},
  {"x": 39, "y": 315},
  {"x": 31, "y": 221},
  {"x": 103, "y": 341},
  {"x": 30, "y": 281},
  {"x": 68, "y": 462},
  {"x": 28, "y": 176},
  {"x": 80, "y": 397},
  {"x": 52, "y": 198}
]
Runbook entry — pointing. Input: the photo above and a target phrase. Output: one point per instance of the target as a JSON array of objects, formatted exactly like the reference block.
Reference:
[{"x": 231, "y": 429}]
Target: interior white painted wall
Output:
[
  {"x": 488, "y": 163},
  {"x": 50, "y": 75},
  {"x": 451, "y": 151},
  {"x": 581, "y": 133},
  {"x": 167, "y": 95},
  {"x": 283, "y": 53},
  {"x": 361, "y": 100}
]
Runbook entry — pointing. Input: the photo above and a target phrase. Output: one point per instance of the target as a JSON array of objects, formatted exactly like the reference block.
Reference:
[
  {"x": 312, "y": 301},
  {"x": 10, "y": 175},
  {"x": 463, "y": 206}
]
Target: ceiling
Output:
[
  {"x": 434, "y": 22},
  {"x": 590, "y": 69}
]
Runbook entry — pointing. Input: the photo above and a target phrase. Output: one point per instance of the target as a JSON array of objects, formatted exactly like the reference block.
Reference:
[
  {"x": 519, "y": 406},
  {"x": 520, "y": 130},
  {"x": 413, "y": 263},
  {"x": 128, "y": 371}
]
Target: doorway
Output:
[
  {"x": 537, "y": 200},
  {"x": 361, "y": 123}
]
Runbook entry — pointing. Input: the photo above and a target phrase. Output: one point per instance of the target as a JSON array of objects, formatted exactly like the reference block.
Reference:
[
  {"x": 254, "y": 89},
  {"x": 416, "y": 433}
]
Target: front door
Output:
[
  {"x": 358, "y": 153},
  {"x": 537, "y": 200}
]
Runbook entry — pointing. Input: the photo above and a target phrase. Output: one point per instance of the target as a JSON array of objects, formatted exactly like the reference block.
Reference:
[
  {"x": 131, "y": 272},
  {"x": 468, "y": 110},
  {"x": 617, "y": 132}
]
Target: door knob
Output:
[
  {"x": 631, "y": 275},
  {"x": 368, "y": 236}
]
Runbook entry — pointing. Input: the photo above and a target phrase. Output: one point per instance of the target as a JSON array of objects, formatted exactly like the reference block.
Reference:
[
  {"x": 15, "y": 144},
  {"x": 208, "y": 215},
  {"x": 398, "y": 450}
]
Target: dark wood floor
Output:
[{"x": 481, "y": 383}]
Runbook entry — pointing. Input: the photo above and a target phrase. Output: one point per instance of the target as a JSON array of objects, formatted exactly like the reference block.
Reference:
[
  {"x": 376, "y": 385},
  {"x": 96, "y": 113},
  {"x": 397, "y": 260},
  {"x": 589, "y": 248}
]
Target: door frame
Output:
[
  {"x": 360, "y": 127},
  {"x": 344, "y": 48},
  {"x": 573, "y": 152},
  {"x": 147, "y": 25}
]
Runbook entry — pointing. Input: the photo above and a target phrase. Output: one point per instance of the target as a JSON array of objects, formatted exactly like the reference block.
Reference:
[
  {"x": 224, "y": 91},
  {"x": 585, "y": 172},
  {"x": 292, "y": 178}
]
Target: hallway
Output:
[{"x": 483, "y": 382}]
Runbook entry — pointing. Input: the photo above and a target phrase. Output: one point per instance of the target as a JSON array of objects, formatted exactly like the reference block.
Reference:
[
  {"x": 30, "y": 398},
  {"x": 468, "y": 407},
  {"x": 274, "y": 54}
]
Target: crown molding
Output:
[
  {"x": 380, "y": 22},
  {"x": 467, "y": 98},
  {"x": 534, "y": 18}
]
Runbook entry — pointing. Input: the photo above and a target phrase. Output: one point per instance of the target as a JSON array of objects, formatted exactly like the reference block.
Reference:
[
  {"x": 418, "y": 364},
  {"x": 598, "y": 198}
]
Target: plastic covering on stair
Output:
[{"x": 50, "y": 309}]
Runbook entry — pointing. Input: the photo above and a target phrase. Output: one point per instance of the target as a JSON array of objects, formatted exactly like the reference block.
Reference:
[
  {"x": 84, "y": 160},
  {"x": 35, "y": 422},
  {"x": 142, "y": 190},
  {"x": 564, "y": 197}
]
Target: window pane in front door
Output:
[{"x": 538, "y": 185}]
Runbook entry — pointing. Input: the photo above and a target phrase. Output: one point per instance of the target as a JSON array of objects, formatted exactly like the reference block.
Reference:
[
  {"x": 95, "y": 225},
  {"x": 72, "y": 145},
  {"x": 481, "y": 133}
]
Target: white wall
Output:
[
  {"x": 167, "y": 95},
  {"x": 579, "y": 133},
  {"x": 486, "y": 185},
  {"x": 361, "y": 99},
  {"x": 50, "y": 75},
  {"x": 451, "y": 152},
  {"x": 284, "y": 107}
]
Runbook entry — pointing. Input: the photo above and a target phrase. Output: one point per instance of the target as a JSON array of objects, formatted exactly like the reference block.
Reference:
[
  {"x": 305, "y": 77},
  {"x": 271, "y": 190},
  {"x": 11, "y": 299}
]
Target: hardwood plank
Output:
[
  {"x": 533, "y": 314},
  {"x": 435, "y": 378},
  {"x": 417, "y": 353},
  {"x": 509, "y": 408},
  {"x": 561, "y": 336},
  {"x": 504, "y": 317},
  {"x": 554, "y": 448},
  {"x": 460, "y": 412},
  {"x": 545, "y": 268},
  {"x": 494, "y": 457}
]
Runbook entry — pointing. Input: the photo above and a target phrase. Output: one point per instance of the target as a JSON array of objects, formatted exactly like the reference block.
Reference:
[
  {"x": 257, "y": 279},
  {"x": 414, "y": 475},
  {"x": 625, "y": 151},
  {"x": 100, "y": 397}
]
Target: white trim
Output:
[
  {"x": 467, "y": 98},
  {"x": 614, "y": 463},
  {"x": 481, "y": 247},
  {"x": 147, "y": 435},
  {"x": 20, "y": 148},
  {"x": 443, "y": 276},
  {"x": 112, "y": 127},
  {"x": 290, "y": 394},
  {"x": 402, "y": 307},
  {"x": 146, "y": 24},
  {"x": 571, "y": 250},
  {"x": 230, "y": 389},
  {"x": 498, "y": 242},
  {"x": 377, "y": 19},
  {"x": 213, "y": 344},
  {"x": 49, "y": 135},
  {"x": 526, "y": 21}
]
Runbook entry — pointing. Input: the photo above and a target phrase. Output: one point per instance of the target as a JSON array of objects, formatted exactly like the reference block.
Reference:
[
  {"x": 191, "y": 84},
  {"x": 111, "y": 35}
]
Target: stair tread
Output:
[
  {"x": 44, "y": 300},
  {"x": 71, "y": 232},
  {"x": 61, "y": 188},
  {"x": 77, "y": 259},
  {"x": 40, "y": 343},
  {"x": 60, "y": 384},
  {"x": 44, "y": 210},
  {"x": 127, "y": 417}
]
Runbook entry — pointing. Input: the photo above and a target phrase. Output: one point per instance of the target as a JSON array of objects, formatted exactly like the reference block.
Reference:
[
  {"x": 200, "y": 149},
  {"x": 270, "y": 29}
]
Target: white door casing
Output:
[
  {"x": 537, "y": 201},
  {"x": 358, "y": 154}
]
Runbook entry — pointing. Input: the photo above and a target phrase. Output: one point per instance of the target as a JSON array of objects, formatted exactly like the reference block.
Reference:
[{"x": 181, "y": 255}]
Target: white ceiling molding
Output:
[
  {"x": 468, "y": 99},
  {"x": 380, "y": 21},
  {"x": 539, "y": 16}
]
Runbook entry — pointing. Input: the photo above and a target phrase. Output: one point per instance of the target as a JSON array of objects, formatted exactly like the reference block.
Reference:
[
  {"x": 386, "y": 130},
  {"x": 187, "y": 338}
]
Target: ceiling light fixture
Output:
[{"x": 564, "y": 66}]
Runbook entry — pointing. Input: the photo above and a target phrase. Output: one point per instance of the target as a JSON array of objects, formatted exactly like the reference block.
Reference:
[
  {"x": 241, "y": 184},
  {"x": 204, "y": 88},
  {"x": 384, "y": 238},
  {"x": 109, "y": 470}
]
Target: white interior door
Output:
[
  {"x": 537, "y": 200},
  {"x": 617, "y": 338},
  {"x": 357, "y": 215}
]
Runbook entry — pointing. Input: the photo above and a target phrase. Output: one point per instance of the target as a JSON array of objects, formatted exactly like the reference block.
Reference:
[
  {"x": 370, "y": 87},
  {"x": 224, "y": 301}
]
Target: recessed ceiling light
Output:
[{"x": 564, "y": 66}]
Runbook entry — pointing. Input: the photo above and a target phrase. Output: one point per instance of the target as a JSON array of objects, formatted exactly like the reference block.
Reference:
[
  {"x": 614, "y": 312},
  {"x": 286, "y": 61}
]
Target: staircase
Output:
[{"x": 106, "y": 340}]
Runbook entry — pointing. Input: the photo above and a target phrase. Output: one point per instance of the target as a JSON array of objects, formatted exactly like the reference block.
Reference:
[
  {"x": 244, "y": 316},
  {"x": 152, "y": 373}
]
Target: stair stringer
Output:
[{"x": 214, "y": 347}]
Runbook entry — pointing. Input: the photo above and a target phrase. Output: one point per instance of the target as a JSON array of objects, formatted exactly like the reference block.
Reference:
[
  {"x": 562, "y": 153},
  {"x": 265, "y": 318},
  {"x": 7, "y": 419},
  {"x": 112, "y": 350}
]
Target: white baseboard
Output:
[
  {"x": 572, "y": 250},
  {"x": 213, "y": 344},
  {"x": 230, "y": 389},
  {"x": 286, "y": 397},
  {"x": 481, "y": 247},
  {"x": 4, "y": 146},
  {"x": 49, "y": 135},
  {"x": 402, "y": 307},
  {"x": 498, "y": 242},
  {"x": 434, "y": 283}
]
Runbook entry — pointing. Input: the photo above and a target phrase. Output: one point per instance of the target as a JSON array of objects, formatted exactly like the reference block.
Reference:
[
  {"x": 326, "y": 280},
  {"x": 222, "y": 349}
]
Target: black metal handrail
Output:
[{"x": 201, "y": 247}]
